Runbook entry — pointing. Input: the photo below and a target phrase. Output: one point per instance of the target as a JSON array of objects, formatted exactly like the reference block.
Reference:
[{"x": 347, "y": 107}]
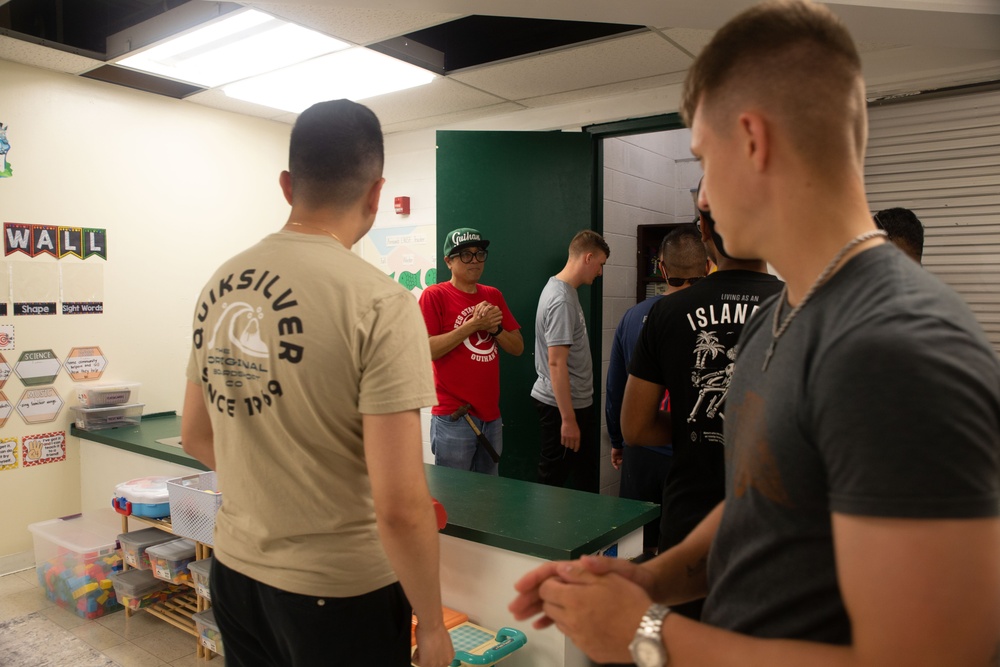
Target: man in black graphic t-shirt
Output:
[{"x": 689, "y": 346}]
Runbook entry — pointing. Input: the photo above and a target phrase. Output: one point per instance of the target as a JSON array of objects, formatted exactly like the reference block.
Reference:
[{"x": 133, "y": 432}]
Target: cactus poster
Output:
[{"x": 6, "y": 169}]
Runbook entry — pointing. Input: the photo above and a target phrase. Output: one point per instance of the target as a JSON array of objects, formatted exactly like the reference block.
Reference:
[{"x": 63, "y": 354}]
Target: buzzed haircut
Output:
[
  {"x": 904, "y": 229},
  {"x": 588, "y": 241},
  {"x": 335, "y": 153},
  {"x": 682, "y": 251},
  {"x": 795, "y": 60}
]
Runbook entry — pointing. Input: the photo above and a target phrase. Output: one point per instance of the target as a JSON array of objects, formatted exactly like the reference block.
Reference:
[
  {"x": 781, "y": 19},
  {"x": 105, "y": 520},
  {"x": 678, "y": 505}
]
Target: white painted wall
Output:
[{"x": 178, "y": 187}]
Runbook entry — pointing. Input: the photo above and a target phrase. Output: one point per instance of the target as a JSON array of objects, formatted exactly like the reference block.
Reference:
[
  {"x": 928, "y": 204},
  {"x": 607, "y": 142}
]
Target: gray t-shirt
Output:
[
  {"x": 559, "y": 321},
  {"x": 882, "y": 399}
]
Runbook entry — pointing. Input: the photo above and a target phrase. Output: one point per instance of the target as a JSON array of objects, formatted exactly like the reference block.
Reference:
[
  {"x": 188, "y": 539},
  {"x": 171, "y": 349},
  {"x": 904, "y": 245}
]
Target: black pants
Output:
[
  {"x": 555, "y": 462},
  {"x": 262, "y": 626},
  {"x": 643, "y": 475}
]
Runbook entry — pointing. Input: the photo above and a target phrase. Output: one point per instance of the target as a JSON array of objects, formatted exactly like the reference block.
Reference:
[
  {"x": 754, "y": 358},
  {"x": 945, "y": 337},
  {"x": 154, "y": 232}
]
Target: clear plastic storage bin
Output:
[
  {"x": 208, "y": 631},
  {"x": 136, "y": 589},
  {"x": 170, "y": 560},
  {"x": 135, "y": 542},
  {"x": 98, "y": 419},
  {"x": 104, "y": 395},
  {"x": 201, "y": 575},
  {"x": 75, "y": 559}
]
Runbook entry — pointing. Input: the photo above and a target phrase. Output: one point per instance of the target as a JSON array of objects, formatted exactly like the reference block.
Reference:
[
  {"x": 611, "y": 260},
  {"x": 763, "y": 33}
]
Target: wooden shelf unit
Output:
[{"x": 177, "y": 610}]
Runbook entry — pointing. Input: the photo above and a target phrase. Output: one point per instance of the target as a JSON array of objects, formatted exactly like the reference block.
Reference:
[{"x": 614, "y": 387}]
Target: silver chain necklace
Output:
[{"x": 776, "y": 330}]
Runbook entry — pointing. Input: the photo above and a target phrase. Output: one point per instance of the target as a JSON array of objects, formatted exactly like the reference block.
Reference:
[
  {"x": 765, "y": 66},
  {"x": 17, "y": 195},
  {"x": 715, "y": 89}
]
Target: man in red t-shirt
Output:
[{"x": 468, "y": 325}]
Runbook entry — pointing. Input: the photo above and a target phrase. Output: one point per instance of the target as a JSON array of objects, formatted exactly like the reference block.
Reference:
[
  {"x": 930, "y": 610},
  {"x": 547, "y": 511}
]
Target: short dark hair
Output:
[
  {"x": 682, "y": 249},
  {"x": 796, "y": 59},
  {"x": 588, "y": 241},
  {"x": 335, "y": 153},
  {"x": 904, "y": 229}
]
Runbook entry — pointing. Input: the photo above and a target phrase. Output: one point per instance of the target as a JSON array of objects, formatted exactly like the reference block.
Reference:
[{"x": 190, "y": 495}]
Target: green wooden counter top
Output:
[
  {"x": 142, "y": 438},
  {"x": 533, "y": 519}
]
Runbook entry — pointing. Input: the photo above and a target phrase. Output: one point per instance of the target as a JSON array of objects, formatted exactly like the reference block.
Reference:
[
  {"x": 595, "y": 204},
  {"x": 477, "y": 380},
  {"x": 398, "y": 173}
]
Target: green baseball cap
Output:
[{"x": 463, "y": 237}]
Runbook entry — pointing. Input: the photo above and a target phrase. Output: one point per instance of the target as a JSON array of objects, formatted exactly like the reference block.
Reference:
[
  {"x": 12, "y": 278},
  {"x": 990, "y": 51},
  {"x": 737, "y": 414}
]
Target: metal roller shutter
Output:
[{"x": 940, "y": 157}]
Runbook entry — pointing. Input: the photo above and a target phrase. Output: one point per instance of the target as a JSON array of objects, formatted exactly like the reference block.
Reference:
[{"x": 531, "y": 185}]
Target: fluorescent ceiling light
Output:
[
  {"x": 240, "y": 45},
  {"x": 354, "y": 74}
]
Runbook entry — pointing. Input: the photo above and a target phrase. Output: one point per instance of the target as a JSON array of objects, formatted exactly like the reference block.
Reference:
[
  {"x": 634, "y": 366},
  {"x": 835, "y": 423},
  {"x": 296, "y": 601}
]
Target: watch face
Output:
[{"x": 647, "y": 652}]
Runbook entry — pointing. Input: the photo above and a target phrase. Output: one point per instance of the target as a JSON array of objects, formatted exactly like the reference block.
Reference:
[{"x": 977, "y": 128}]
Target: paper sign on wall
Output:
[
  {"x": 6, "y": 169},
  {"x": 36, "y": 240},
  {"x": 6, "y": 336},
  {"x": 43, "y": 448},
  {"x": 82, "y": 288},
  {"x": 8, "y": 453},
  {"x": 5, "y": 409},
  {"x": 38, "y": 406},
  {"x": 85, "y": 363},
  {"x": 36, "y": 367},
  {"x": 34, "y": 288}
]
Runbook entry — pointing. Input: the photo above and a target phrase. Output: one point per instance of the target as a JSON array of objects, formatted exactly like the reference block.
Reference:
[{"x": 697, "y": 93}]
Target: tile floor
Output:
[{"x": 139, "y": 641}]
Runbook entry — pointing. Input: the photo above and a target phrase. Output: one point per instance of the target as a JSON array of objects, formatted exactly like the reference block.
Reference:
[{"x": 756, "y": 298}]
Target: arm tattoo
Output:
[{"x": 697, "y": 568}]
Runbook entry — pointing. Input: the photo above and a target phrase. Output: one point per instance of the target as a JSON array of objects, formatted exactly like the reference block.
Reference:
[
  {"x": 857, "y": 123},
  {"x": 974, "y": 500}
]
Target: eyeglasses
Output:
[
  {"x": 677, "y": 282},
  {"x": 467, "y": 256},
  {"x": 878, "y": 223}
]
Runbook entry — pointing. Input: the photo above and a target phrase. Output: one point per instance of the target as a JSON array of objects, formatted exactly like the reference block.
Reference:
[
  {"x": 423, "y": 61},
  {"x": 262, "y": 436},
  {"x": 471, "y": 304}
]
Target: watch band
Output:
[
  {"x": 499, "y": 330},
  {"x": 652, "y": 620}
]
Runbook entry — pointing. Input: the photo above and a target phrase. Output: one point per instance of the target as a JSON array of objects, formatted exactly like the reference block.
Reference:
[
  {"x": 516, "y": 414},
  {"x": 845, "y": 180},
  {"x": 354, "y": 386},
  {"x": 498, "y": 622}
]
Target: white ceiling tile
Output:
[
  {"x": 437, "y": 98},
  {"x": 452, "y": 118},
  {"x": 36, "y": 55},
  {"x": 610, "y": 61},
  {"x": 607, "y": 90},
  {"x": 354, "y": 24}
]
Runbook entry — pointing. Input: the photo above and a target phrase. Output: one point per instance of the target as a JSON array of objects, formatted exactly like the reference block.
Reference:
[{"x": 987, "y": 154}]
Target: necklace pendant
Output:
[{"x": 767, "y": 356}]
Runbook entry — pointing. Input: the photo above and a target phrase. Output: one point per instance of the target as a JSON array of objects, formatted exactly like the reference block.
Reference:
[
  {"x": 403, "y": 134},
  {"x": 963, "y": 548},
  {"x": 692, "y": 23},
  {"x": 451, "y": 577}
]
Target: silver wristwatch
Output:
[{"x": 647, "y": 645}]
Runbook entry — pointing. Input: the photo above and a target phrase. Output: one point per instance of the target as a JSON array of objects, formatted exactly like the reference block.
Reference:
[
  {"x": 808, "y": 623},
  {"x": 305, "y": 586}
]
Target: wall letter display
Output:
[
  {"x": 4, "y": 370},
  {"x": 35, "y": 240},
  {"x": 8, "y": 453},
  {"x": 43, "y": 448},
  {"x": 82, "y": 289}
]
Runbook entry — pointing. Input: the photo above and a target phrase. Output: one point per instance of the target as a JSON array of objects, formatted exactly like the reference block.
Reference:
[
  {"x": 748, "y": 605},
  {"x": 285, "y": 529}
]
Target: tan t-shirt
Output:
[{"x": 294, "y": 339}]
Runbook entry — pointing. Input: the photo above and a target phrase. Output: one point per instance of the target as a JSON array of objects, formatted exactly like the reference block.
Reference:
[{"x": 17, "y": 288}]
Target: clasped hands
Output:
[
  {"x": 486, "y": 316},
  {"x": 597, "y": 602}
]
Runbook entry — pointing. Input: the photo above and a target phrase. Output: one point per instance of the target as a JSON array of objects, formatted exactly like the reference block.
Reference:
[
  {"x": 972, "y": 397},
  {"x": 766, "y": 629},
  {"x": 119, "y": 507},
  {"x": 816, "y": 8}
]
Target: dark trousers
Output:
[
  {"x": 643, "y": 474},
  {"x": 262, "y": 626},
  {"x": 555, "y": 462}
]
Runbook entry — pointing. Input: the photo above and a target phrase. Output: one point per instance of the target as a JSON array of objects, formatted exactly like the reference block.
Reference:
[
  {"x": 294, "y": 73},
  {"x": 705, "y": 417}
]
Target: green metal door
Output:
[{"x": 528, "y": 193}]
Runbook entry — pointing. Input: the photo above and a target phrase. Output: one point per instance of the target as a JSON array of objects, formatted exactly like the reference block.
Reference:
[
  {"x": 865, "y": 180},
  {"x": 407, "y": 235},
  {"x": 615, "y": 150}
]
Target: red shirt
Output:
[{"x": 470, "y": 373}]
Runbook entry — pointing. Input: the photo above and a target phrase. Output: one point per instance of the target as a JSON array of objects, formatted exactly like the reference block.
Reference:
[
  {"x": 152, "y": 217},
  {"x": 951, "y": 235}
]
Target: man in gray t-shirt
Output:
[{"x": 564, "y": 391}]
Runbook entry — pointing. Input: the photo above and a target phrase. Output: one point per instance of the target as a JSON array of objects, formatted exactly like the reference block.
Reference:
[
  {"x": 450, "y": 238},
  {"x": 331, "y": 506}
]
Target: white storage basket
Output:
[{"x": 194, "y": 500}]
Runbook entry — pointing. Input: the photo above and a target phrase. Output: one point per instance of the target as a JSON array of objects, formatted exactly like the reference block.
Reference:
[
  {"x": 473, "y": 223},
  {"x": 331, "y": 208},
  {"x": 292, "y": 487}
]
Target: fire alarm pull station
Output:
[{"x": 403, "y": 205}]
